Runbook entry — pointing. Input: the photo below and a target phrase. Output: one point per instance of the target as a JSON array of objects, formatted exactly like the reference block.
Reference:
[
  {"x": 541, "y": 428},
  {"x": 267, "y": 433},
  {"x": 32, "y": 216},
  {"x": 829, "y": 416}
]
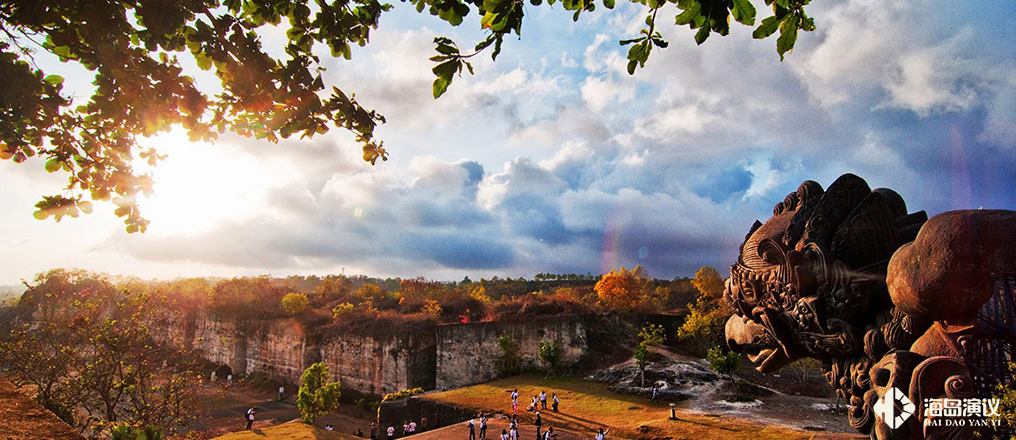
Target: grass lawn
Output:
[
  {"x": 587, "y": 406},
  {"x": 287, "y": 431}
]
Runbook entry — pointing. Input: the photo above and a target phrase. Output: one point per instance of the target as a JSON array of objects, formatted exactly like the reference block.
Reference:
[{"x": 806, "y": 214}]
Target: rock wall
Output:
[
  {"x": 381, "y": 365},
  {"x": 467, "y": 354},
  {"x": 448, "y": 356},
  {"x": 282, "y": 350}
]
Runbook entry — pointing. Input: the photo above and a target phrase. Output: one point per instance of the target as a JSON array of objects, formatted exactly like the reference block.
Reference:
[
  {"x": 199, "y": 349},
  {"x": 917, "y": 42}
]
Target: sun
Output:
[{"x": 200, "y": 186}]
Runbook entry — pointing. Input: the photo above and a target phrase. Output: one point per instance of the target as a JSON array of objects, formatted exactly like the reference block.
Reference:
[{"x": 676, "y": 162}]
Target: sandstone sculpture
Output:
[{"x": 885, "y": 299}]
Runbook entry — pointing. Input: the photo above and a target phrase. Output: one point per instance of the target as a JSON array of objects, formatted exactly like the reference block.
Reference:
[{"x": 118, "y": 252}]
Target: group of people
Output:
[
  {"x": 512, "y": 432},
  {"x": 408, "y": 428},
  {"x": 539, "y": 401}
]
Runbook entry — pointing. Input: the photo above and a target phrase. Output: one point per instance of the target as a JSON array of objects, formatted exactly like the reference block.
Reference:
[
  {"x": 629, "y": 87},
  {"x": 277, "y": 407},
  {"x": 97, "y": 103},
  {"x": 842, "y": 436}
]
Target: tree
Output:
[
  {"x": 294, "y": 303},
  {"x": 136, "y": 50},
  {"x": 703, "y": 327},
  {"x": 624, "y": 289},
  {"x": 725, "y": 363},
  {"x": 650, "y": 336},
  {"x": 317, "y": 396},
  {"x": 95, "y": 363},
  {"x": 551, "y": 353}
]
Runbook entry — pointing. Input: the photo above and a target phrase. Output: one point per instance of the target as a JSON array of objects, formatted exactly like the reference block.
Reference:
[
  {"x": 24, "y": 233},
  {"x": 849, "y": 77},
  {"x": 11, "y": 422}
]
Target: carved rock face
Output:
[
  {"x": 807, "y": 279},
  {"x": 817, "y": 280}
]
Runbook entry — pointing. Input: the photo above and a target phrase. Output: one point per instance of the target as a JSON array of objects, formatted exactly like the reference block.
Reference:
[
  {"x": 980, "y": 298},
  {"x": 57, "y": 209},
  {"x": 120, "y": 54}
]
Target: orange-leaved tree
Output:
[{"x": 624, "y": 289}]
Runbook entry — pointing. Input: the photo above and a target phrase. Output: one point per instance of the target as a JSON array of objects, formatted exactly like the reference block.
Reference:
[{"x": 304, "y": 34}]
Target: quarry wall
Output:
[
  {"x": 468, "y": 354},
  {"x": 442, "y": 357}
]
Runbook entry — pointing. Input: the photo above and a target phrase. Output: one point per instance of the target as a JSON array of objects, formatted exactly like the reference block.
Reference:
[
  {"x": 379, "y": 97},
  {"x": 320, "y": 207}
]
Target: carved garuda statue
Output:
[{"x": 904, "y": 312}]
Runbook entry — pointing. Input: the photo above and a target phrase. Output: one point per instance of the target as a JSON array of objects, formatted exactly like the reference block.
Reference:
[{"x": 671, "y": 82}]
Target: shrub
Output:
[
  {"x": 432, "y": 308},
  {"x": 294, "y": 303},
  {"x": 341, "y": 310},
  {"x": 509, "y": 361},
  {"x": 550, "y": 353}
]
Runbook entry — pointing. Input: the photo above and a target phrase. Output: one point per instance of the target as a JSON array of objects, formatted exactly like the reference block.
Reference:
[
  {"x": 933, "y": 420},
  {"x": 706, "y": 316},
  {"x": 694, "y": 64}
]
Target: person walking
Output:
[
  {"x": 483, "y": 426},
  {"x": 538, "y": 423},
  {"x": 391, "y": 432},
  {"x": 656, "y": 394},
  {"x": 549, "y": 434},
  {"x": 504, "y": 434},
  {"x": 373, "y": 431},
  {"x": 513, "y": 433},
  {"x": 412, "y": 427},
  {"x": 602, "y": 435},
  {"x": 515, "y": 401},
  {"x": 556, "y": 402},
  {"x": 472, "y": 430},
  {"x": 543, "y": 400},
  {"x": 250, "y": 417},
  {"x": 423, "y": 424}
]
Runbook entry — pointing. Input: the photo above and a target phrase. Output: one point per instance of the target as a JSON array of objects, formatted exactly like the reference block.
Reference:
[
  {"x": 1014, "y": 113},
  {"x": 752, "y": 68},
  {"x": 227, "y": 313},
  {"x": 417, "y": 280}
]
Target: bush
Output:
[
  {"x": 551, "y": 353},
  {"x": 341, "y": 310},
  {"x": 127, "y": 432},
  {"x": 294, "y": 303},
  {"x": 509, "y": 361}
]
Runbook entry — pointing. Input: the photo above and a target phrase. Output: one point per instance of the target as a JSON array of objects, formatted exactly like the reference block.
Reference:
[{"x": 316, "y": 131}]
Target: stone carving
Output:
[{"x": 884, "y": 298}]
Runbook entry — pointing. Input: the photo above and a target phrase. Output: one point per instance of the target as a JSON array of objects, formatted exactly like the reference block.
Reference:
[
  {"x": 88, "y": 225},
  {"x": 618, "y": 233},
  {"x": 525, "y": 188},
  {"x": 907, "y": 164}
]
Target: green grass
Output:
[
  {"x": 295, "y": 430},
  {"x": 587, "y": 406}
]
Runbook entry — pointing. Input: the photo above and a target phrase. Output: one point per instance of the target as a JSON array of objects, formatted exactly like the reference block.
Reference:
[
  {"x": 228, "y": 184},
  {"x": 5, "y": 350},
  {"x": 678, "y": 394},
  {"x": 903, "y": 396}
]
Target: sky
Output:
[{"x": 553, "y": 159}]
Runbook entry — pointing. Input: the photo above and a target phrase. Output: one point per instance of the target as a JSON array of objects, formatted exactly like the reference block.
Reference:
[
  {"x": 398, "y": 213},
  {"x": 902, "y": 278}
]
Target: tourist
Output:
[
  {"x": 504, "y": 434},
  {"x": 423, "y": 424},
  {"x": 472, "y": 430},
  {"x": 391, "y": 432},
  {"x": 515, "y": 401},
  {"x": 373, "y": 431},
  {"x": 412, "y": 427},
  {"x": 359, "y": 433},
  {"x": 250, "y": 417},
  {"x": 549, "y": 434},
  {"x": 537, "y": 423},
  {"x": 532, "y": 405},
  {"x": 602, "y": 434},
  {"x": 656, "y": 394},
  {"x": 556, "y": 402},
  {"x": 405, "y": 428},
  {"x": 483, "y": 426},
  {"x": 543, "y": 400},
  {"x": 513, "y": 433}
]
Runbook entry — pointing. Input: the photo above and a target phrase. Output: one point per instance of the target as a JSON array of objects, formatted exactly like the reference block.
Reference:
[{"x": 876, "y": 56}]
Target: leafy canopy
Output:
[
  {"x": 136, "y": 50},
  {"x": 317, "y": 396}
]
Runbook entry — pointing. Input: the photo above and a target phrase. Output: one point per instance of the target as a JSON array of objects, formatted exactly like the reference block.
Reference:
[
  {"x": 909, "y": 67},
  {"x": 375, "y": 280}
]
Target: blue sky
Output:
[{"x": 554, "y": 159}]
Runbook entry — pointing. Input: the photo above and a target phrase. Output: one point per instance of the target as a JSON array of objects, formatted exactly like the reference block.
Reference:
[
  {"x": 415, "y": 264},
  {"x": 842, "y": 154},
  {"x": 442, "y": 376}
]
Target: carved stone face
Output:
[{"x": 807, "y": 279}]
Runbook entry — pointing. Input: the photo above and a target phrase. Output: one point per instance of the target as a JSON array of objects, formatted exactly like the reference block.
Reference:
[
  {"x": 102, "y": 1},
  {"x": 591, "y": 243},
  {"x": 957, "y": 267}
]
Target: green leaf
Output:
[
  {"x": 744, "y": 12},
  {"x": 631, "y": 66},
  {"x": 768, "y": 27},
  {"x": 54, "y": 79},
  {"x": 788, "y": 36},
  {"x": 609, "y": 4},
  {"x": 702, "y": 34},
  {"x": 52, "y": 165},
  {"x": 204, "y": 61},
  {"x": 689, "y": 14}
]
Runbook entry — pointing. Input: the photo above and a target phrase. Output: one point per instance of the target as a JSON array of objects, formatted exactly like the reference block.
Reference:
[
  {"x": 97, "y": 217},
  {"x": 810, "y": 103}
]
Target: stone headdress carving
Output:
[{"x": 837, "y": 275}]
